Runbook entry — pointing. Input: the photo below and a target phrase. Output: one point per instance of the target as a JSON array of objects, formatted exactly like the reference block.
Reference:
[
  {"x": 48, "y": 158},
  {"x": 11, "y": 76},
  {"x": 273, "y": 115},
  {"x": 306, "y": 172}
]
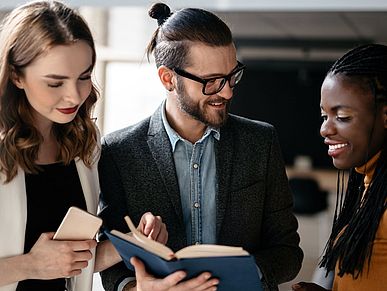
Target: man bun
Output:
[{"x": 160, "y": 11}]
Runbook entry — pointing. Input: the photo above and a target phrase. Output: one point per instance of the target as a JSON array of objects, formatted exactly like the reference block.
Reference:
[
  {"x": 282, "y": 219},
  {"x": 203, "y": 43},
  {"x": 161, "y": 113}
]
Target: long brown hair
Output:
[{"x": 26, "y": 33}]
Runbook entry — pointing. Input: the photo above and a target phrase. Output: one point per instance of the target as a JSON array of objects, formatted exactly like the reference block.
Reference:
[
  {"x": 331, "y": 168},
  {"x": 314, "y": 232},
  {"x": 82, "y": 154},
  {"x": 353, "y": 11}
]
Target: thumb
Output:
[
  {"x": 46, "y": 236},
  {"x": 139, "y": 268}
]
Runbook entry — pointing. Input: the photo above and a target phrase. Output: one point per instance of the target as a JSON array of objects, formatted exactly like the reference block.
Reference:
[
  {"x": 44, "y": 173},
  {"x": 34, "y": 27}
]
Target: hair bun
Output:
[{"x": 159, "y": 11}]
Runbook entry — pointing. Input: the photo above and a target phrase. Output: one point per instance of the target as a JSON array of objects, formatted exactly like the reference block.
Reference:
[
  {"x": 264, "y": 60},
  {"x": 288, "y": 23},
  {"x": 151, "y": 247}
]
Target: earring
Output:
[{"x": 170, "y": 89}]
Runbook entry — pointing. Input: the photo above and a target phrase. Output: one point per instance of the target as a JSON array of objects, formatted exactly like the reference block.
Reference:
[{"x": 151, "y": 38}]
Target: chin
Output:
[{"x": 341, "y": 165}]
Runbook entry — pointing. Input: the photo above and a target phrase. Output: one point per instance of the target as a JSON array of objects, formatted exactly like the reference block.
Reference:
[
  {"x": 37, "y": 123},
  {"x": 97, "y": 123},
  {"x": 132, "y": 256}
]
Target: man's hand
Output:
[
  {"x": 153, "y": 227},
  {"x": 147, "y": 282}
]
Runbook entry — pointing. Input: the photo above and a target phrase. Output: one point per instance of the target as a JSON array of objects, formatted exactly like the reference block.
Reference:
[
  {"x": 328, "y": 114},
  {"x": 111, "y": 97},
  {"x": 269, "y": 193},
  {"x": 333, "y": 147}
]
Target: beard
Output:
[{"x": 203, "y": 113}]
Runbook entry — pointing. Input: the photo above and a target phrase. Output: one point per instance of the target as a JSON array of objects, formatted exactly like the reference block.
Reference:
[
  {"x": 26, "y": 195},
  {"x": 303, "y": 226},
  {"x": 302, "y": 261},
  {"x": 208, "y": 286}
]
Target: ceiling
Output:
[
  {"x": 300, "y": 30},
  {"x": 303, "y": 35}
]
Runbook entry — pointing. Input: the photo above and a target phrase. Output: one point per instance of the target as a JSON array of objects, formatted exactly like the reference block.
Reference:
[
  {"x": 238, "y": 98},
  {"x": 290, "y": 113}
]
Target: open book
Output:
[{"x": 234, "y": 267}]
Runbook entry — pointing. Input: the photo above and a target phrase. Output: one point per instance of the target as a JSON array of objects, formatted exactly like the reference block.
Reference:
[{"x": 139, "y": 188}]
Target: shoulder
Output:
[
  {"x": 126, "y": 136},
  {"x": 248, "y": 127}
]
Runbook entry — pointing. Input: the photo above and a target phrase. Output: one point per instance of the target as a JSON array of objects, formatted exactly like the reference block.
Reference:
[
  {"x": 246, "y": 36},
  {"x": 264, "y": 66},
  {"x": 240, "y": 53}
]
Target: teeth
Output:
[{"x": 337, "y": 146}]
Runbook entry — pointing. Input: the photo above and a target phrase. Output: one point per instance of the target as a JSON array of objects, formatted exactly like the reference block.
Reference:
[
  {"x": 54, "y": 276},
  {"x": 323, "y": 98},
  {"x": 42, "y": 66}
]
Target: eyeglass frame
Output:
[{"x": 239, "y": 67}]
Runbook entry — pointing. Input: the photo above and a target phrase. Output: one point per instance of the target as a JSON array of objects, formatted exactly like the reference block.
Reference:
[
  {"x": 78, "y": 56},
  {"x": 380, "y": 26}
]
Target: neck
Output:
[
  {"x": 48, "y": 149},
  {"x": 185, "y": 125}
]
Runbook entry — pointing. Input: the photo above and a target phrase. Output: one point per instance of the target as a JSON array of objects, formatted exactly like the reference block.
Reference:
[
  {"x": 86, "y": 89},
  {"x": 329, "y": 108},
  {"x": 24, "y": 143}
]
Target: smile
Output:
[
  {"x": 333, "y": 147},
  {"x": 68, "y": 110}
]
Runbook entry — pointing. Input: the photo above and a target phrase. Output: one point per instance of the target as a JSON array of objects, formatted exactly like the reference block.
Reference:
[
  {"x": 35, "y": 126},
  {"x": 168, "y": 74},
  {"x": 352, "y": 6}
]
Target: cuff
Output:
[{"x": 125, "y": 281}]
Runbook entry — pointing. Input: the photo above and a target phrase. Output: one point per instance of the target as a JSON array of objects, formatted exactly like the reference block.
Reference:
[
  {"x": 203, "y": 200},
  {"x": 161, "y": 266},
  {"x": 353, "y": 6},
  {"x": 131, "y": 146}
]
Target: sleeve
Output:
[
  {"x": 279, "y": 257},
  {"x": 113, "y": 210}
]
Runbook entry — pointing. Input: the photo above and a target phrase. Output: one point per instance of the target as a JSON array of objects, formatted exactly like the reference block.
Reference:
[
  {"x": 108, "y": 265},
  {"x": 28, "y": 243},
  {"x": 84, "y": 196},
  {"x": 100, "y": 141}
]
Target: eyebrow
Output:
[
  {"x": 60, "y": 77},
  {"x": 216, "y": 75},
  {"x": 338, "y": 107}
]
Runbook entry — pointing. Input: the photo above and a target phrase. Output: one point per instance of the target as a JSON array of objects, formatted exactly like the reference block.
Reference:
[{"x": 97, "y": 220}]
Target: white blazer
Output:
[{"x": 13, "y": 216}]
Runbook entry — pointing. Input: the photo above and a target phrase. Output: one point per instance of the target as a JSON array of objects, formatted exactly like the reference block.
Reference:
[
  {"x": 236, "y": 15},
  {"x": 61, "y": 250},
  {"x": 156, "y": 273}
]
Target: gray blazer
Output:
[{"x": 254, "y": 204}]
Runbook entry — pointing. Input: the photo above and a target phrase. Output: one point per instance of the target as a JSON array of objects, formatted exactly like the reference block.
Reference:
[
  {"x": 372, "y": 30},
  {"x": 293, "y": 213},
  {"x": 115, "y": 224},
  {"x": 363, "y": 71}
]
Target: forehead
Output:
[
  {"x": 64, "y": 59},
  {"x": 212, "y": 59},
  {"x": 338, "y": 91}
]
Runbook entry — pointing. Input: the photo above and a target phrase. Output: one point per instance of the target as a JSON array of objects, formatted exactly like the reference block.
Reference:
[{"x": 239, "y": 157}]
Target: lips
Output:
[
  {"x": 218, "y": 103},
  {"x": 336, "y": 149},
  {"x": 70, "y": 110}
]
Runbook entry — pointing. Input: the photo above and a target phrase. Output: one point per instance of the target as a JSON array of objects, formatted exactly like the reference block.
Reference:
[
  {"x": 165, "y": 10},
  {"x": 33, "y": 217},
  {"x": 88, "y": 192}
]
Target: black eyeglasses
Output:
[{"x": 214, "y": 85}]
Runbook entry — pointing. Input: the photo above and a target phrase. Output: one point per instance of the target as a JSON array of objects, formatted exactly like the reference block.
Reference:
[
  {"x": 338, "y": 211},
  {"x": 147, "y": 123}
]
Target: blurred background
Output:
[{"x": 287, "y": 47}]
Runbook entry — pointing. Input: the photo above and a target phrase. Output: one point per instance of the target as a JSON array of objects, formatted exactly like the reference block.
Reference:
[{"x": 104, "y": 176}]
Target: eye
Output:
[
  {"x": 211, "y": 81},
  {"x": 343, "y": 118},
  {"x": 84, "y": 78},
  {"x": 324, "y": 117},
  {"x": 55, "y": 85}
]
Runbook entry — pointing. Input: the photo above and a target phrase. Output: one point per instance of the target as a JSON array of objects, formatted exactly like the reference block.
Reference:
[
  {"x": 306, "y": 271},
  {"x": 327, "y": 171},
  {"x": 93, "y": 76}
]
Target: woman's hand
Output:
[
  {"x": 147, "y": 282},
  {"x": 50, "y": 259},
  {"x": 304, "y": 286},
  {"x": 153, "y": 227}
]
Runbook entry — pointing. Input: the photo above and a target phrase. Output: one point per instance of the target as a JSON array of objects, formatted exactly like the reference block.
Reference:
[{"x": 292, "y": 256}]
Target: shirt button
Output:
[
  {"x": 196, "y": 205},
  {"x": 195, "y": 166}
]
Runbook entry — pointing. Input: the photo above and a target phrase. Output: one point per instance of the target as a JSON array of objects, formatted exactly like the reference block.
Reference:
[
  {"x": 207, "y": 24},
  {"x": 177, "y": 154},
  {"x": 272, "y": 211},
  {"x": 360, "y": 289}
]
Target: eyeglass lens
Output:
[{"x": 216, "y": 85}]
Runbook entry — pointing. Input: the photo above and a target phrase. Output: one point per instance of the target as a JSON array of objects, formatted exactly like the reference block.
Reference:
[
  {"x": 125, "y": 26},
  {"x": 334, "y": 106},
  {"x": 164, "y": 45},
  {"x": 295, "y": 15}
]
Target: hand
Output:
[
  {"x": 51, "y": 259},
  {"x": 146, "y": 282},
  {"x": 153, "y": 227},
  {"x": 304, "y": 286}
]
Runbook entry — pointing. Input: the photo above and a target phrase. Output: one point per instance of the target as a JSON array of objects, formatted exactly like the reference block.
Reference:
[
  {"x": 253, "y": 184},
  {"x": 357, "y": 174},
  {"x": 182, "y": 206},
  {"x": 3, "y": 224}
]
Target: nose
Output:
[
  {"x": 327, "y": 128},
  {"x": 226, "y": 91},
  {"x": 73, "y": 94}
]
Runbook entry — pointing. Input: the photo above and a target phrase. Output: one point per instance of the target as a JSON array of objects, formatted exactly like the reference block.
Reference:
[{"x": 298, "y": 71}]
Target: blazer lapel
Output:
[
  {"x": 224, "y": 153},
  {"x": 160, "y": 148},
  {"x": 90, "y": 184}
]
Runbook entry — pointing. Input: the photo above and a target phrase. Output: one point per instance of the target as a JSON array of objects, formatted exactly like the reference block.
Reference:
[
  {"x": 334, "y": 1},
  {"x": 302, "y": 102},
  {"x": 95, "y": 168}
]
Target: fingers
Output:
[
  {"x": 163, "y": 235},
  {"x": 153, "y": 227},
  {"x": 144, "y": 279},
  {"x": 147, "y": 223},
  {"x": 200, "y": 283},
  {"x": 82, "y": 245},
  {"x": 172, "y": 280}
]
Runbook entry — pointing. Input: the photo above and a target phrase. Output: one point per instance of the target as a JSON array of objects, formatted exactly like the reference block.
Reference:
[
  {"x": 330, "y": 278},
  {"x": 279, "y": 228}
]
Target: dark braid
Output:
[{"x": 357, "y": 219}]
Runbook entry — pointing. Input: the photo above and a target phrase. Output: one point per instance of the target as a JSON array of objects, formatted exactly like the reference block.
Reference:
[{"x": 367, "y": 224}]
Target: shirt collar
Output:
[{"x": 174, "y": 137}]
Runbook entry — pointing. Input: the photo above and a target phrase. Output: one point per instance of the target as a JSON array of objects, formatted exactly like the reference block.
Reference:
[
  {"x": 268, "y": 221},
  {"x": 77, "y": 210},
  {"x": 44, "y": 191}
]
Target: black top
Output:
[{"x": 49, "y": 195}]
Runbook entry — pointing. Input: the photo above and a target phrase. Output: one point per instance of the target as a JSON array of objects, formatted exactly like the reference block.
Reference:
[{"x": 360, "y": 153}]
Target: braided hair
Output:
[
  {"x": 357, "y": 217},
  {"x": 171, "y": 41}
]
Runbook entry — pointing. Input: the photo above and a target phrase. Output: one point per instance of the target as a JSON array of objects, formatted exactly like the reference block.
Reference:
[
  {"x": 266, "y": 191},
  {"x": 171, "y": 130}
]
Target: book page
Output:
[{"x": 205, "y": 250}]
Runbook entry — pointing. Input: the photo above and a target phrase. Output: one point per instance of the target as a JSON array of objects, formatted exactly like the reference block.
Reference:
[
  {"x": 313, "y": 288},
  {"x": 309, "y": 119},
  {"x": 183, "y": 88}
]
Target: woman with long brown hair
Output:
[{"x": 49, "y": 149}]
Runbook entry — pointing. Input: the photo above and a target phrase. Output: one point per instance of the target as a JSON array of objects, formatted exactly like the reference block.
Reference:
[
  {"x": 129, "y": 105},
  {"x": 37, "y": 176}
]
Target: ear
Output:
[
  {"x": 16, "y": 79},
  {"x": 166, "y": 76}
]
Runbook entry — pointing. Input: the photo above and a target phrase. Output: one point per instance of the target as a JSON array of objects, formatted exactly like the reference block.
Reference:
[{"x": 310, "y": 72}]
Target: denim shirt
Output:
[{"x": 196, "y": 174}]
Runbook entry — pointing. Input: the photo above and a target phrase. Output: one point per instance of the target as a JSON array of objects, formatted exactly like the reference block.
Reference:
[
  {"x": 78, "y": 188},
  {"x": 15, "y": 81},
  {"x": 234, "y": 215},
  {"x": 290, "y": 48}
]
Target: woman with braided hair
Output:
[{"x": 354, "y": 112}]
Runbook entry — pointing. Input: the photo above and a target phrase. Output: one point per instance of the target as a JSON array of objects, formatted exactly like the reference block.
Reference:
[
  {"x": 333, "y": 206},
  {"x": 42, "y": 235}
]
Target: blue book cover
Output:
[{"x": 234, "y": 272}]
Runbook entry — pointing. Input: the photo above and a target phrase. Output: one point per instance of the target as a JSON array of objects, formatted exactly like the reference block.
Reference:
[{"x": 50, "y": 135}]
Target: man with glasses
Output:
[{"x": 213, "y": 177}]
